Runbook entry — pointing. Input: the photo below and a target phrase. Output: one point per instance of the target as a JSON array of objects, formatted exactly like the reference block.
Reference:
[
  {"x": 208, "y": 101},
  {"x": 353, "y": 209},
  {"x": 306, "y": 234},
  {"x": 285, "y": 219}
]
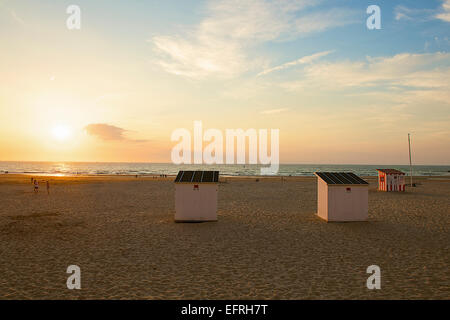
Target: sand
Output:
[{"x": 267, "y": 244}]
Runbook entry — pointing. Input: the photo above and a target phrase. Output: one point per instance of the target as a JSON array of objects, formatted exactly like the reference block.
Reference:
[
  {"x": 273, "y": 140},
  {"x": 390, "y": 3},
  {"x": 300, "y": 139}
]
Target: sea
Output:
[{"x": 142, "y": 169}]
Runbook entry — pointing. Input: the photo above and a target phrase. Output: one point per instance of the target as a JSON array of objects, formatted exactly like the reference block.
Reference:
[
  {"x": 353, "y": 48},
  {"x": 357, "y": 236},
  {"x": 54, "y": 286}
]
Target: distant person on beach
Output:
[
  {"x": 48, "y": 187},
  {"x": 36, "y": 186}
]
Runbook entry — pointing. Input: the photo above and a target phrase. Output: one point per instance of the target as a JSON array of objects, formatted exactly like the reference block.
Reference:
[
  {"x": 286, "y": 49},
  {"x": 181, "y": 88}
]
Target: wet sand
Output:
[{"x": 267, "y": 244}]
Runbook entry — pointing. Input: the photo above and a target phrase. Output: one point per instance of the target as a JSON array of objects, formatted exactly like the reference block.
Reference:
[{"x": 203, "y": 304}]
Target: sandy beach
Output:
[{"x": 267, "y": 244}]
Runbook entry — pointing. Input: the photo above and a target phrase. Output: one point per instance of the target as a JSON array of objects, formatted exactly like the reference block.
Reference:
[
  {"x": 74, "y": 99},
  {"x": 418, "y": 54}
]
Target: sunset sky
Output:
[{"x": 117, "y": 88}]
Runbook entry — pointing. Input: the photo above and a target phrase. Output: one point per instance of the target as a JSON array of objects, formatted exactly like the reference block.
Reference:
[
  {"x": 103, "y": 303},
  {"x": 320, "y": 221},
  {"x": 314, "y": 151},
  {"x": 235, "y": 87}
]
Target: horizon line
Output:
[{"x": 223, "y": 164}]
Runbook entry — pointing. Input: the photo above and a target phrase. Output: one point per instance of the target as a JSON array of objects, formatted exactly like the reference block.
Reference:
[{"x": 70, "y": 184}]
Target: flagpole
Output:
[{"x": 410, "y": 163}]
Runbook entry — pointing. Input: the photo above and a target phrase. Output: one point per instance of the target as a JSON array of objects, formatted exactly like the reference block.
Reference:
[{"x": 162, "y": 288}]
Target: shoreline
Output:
[{"x": 112, "y": 176}]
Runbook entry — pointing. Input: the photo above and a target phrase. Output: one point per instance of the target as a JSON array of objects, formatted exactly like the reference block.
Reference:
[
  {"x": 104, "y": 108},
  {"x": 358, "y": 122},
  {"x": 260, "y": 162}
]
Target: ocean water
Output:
[{"x": 110, "y": 168}]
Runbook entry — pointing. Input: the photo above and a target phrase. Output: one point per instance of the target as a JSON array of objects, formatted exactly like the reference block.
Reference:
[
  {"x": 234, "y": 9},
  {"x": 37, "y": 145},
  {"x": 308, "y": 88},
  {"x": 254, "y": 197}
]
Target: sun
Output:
[{"x": 61, "y": 132}]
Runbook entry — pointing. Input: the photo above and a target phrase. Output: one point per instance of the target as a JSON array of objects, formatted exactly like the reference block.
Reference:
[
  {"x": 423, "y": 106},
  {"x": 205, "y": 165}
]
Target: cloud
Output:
[
  {"x": 402, "y": 71},
  {"x": 404, "y": 13},
  {"x": 17, "y": 18},
  {"x": 444, "y": 15},
  {"x": 105, "y": 131},
  {"x": 303, "y": 60},
  {"x": 219, "y": 44},
  {"x": 110, "y": 96},
  {"x": 199, "y": 59},
  {"x": 321, "y": 21},
  {"x": 108, "y": 132},
  {"x": 274, "y": 111},
  {"x": 422, "y": 15}
]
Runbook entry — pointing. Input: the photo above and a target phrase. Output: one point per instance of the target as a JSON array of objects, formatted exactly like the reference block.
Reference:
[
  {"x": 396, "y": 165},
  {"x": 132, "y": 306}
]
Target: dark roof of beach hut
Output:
[
  {"x": 336, "y": 178},
  {"x": 197, "y": 177}
]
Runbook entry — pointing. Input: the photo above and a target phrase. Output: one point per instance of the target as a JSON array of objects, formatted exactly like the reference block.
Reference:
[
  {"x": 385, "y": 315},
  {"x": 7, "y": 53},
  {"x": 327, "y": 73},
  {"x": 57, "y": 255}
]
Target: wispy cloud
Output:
[
  {"x": 405, "y": 13},
  {"x": 323, "y": 20},
  {"x": 274, "y": 111},
  {"x": 219, "y": 44},
  {"x": 111, "y": 96},
  {"x": 302, "y": 60},
  {"x": 429, "y": 70},
  {"x": 108, "y": 132},
  {"x": 16, "y": 18},
  {"x": 445, "y": 11},
  {"x": 421, "y": 15}
]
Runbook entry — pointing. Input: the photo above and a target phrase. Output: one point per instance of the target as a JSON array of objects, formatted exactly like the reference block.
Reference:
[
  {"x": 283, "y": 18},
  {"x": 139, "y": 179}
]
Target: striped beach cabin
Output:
[{"x": 391, "y": 180}]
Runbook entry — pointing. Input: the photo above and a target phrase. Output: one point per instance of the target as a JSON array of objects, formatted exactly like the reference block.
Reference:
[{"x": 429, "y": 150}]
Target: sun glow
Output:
[{"x": 61, "y": 132}]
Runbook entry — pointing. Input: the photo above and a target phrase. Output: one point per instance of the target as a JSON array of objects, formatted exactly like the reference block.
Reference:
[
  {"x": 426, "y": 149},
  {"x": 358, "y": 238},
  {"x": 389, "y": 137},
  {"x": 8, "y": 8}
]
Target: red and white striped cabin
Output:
[{"x": 391, "y": 180}]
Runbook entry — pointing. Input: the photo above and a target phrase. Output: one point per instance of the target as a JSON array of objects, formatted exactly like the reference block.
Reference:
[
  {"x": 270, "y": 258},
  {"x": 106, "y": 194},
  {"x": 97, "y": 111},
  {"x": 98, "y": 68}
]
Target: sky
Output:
[{"x": 135, "y": 71}]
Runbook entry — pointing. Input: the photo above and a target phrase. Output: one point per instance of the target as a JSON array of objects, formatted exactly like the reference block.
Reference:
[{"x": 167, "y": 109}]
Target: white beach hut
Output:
[
  {"x": 391, "y": 180},
  {"x": 196, "y": 196},
  {"x": 342, "y": 196}
]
